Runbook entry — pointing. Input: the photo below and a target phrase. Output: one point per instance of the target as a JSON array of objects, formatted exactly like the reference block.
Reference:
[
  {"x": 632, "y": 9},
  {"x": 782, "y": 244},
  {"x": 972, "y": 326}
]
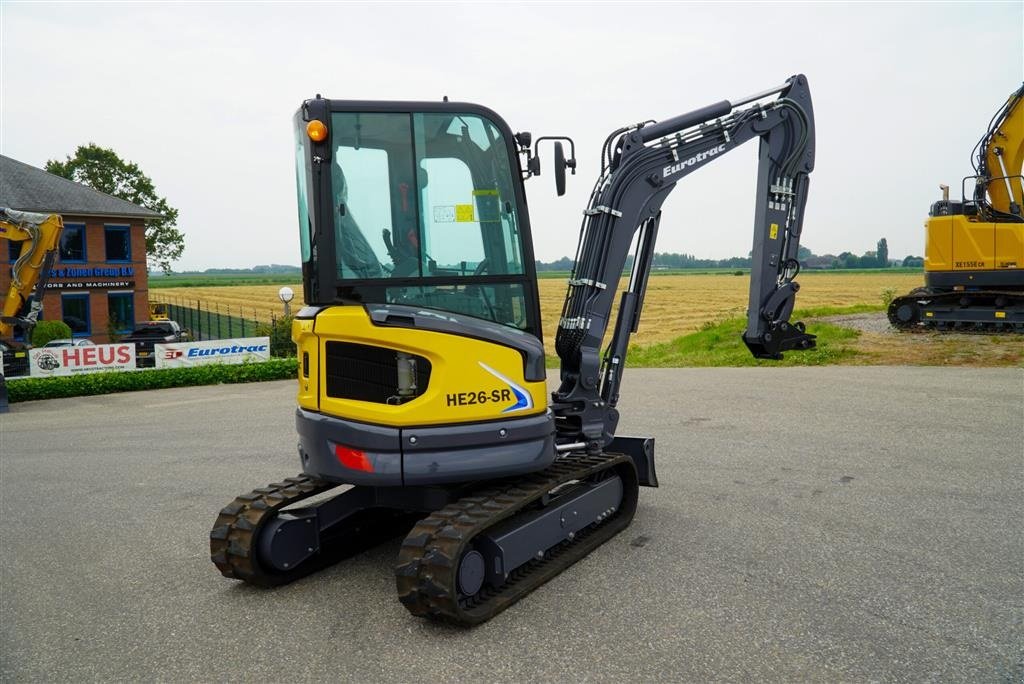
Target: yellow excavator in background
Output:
[
  {"x": 974, "y": 248},
  {"x": 23, "y": 301},
  {"x": 158, "y": 312},
  {"x": 24, "y": 298}
]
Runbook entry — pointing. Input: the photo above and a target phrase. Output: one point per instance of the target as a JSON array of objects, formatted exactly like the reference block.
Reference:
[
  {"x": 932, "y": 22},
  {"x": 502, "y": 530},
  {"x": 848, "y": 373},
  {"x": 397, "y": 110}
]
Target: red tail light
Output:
[{"x": 354, "y": 459}]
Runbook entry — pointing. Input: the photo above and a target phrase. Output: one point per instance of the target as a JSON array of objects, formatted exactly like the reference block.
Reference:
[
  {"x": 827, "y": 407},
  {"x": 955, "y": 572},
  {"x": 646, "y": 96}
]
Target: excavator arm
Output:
[
  {"x": 42, "y": 234},
  {"x": 641, "y": 169},
  {"x": 998, "y": 162}
]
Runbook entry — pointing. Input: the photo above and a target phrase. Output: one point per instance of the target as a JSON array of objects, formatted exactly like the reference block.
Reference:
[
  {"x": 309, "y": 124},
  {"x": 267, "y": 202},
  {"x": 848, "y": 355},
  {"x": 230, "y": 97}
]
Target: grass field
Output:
[
  {"x": 179, "y": 280},
  {"x": 675, "y": 304},
  {"x": 694, "y": 319},
  {"x": 255, "y": 302}
]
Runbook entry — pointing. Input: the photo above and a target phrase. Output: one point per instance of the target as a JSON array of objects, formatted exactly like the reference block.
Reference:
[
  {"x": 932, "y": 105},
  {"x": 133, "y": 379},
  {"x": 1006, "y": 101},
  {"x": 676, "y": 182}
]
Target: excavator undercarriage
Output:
[
  {"x": 468, "y": 554},
  {"x": 973, "y": 311}
]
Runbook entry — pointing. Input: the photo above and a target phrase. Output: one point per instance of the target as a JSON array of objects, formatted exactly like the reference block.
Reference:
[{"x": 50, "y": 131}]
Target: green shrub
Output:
[
  {"x": 280, "y": 334},
  {"x": 46, "y": 331},
  {"x": 32, "y": 389}
]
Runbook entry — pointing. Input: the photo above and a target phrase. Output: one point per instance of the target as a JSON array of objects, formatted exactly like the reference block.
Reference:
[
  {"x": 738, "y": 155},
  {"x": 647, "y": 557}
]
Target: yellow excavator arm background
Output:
[
  {"x": 42, "y": 233},
  {"x": 1005, "y": 156}
]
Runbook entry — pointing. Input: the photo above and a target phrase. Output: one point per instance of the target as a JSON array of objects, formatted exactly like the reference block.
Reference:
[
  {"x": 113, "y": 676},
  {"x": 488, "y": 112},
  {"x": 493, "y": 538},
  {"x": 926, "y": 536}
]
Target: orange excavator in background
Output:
[{"x": 974, "y": 248}]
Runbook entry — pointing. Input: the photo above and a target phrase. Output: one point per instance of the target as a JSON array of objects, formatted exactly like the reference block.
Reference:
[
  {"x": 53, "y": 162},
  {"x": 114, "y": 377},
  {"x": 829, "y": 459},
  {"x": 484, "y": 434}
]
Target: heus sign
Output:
[
  {"x": 183, "y": 354},
  {"x": 51, "y": 361}
]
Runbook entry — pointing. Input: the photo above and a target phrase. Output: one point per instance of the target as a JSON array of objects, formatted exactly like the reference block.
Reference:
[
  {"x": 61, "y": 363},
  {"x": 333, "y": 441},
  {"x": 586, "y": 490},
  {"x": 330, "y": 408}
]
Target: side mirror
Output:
[
  {"x": 561, "y": 163},
  {"x": 559, "y": 168}
]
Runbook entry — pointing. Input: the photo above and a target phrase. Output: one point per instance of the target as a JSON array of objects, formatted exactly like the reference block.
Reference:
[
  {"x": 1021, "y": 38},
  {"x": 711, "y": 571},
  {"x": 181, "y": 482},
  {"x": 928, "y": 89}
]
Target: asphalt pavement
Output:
[{"x": 822, "y": 524}]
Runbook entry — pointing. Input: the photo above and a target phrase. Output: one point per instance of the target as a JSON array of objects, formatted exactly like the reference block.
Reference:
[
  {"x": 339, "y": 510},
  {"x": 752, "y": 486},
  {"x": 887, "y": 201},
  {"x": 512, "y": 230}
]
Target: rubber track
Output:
[
  {"x": 429, "y": 556},
  {"x": 967, "y": 327},
  {"x": 234, "y": 534}
]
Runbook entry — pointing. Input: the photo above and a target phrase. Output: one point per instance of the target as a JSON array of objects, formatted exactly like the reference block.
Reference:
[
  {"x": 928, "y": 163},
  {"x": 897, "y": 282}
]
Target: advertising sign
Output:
[
  {"x": 185, "y": 354},
  {"x": 46, "y": 362}
]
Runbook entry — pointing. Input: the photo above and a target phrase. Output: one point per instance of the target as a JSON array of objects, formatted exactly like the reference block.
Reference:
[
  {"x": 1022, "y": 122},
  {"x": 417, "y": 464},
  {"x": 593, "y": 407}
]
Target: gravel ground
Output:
[
  {"x": 865, "y": 322},
  {"x": 881, "y": 344}
]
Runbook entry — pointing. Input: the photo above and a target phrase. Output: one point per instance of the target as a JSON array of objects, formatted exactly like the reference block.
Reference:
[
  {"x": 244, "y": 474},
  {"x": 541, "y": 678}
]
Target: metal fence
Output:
[{"x": 206, "y": 322}]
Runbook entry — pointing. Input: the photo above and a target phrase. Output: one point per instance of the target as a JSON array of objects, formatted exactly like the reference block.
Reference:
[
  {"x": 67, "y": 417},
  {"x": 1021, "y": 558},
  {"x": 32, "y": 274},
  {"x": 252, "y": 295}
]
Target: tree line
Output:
[{"x": 877, "y": 258}]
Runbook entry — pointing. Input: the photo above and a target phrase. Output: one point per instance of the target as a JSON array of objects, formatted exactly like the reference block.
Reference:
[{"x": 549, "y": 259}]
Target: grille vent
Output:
[{"x": 365, "y": 373}]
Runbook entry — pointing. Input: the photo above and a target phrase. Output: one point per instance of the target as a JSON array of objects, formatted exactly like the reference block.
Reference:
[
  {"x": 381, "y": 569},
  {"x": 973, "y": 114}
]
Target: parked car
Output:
[
  {"x": 152, "y": 333},
  {"x": 77, "y": 342},
  {"x": 15, "y": 359}
]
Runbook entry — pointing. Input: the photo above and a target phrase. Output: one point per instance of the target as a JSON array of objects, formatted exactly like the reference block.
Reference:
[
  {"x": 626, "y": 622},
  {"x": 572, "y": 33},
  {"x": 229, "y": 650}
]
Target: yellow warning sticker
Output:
[
  {"x": 928, "y": 314},
  {"x": 464, "y": 213},
  {"x": 1000, "y": 314},
  {"x": 773, "y": 232}
]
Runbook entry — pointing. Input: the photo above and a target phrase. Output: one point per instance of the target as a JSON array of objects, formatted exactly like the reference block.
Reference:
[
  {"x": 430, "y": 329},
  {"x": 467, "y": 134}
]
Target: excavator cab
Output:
[
  {"x": 422, "y": 314},
  {"x": 416, "y": 204}
]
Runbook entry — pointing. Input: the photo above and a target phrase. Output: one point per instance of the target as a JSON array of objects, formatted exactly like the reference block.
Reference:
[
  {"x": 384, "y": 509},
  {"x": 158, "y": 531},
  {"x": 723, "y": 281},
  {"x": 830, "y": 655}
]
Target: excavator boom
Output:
[
  {"x": 644, "y": 165},
  {"x": 41, "y": 233},
  {"x": 1000, "y": 159}
]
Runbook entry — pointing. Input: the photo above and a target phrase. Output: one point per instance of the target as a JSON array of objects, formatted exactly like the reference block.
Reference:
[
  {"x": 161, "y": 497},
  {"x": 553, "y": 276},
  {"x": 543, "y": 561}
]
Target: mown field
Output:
[
  {"x": 675, "y": 304},
  {"x": 692, "y": 319}
]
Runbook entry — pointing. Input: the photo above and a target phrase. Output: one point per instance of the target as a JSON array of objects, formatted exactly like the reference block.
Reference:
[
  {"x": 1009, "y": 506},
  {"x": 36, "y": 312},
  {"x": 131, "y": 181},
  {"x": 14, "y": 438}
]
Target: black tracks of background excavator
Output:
[
  {"x": 428, "y": 562},
  {"x": 945, "y": 299}
]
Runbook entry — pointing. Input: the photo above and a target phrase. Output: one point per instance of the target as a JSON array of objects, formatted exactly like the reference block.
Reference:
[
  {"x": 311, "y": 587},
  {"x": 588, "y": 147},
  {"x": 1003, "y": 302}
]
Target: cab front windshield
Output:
[{"x": 426, "y": 199}]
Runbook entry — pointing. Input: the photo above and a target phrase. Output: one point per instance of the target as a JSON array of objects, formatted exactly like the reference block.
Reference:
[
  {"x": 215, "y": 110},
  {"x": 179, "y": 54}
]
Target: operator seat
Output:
[{"x": 356, "y": 258}]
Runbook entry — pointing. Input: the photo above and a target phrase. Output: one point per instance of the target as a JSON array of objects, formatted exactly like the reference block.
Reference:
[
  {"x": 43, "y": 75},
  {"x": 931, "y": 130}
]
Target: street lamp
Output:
[{"x": 286, "y": 295}]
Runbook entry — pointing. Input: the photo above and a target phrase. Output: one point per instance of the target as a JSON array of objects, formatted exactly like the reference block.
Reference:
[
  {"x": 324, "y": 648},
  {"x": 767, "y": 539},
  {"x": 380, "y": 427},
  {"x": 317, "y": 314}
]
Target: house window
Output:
[
  {"x": 75, "y": 312},
  {"x": 72, "y": 242},
  {"x": 119, "y": 243},
  {"x": 13, "y": 250},
  {"x": 121, "y": 310}
]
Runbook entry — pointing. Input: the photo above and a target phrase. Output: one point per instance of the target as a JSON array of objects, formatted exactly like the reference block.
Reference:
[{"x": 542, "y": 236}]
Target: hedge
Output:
[{"x": 32, "y": 389}]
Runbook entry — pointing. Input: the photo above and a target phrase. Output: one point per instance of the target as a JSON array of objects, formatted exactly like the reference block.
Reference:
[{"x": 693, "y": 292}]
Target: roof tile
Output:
[{"x": 27, "y": 188}]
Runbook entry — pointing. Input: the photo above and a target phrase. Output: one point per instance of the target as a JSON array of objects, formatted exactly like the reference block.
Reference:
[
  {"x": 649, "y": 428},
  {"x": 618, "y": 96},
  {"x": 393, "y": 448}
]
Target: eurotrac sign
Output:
[
  {"x": 47, "y": 362},
  {"x": 186, "y": 354}
]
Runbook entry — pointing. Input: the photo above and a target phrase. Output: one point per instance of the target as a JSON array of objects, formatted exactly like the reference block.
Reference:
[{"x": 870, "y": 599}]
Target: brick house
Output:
[{"x": 99, "y": 284}]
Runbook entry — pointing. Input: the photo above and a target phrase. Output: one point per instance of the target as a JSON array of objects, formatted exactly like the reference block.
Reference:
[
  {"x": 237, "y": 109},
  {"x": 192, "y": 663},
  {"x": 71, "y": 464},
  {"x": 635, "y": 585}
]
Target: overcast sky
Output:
[{"x": 201, "y": 97}]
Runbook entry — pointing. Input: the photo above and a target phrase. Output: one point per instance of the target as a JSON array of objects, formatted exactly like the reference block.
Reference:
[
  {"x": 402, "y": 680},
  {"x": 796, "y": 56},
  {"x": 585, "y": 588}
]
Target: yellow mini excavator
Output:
[
  {"x": 974, "y": 248},
  {"x": 421, "y": 364}
]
